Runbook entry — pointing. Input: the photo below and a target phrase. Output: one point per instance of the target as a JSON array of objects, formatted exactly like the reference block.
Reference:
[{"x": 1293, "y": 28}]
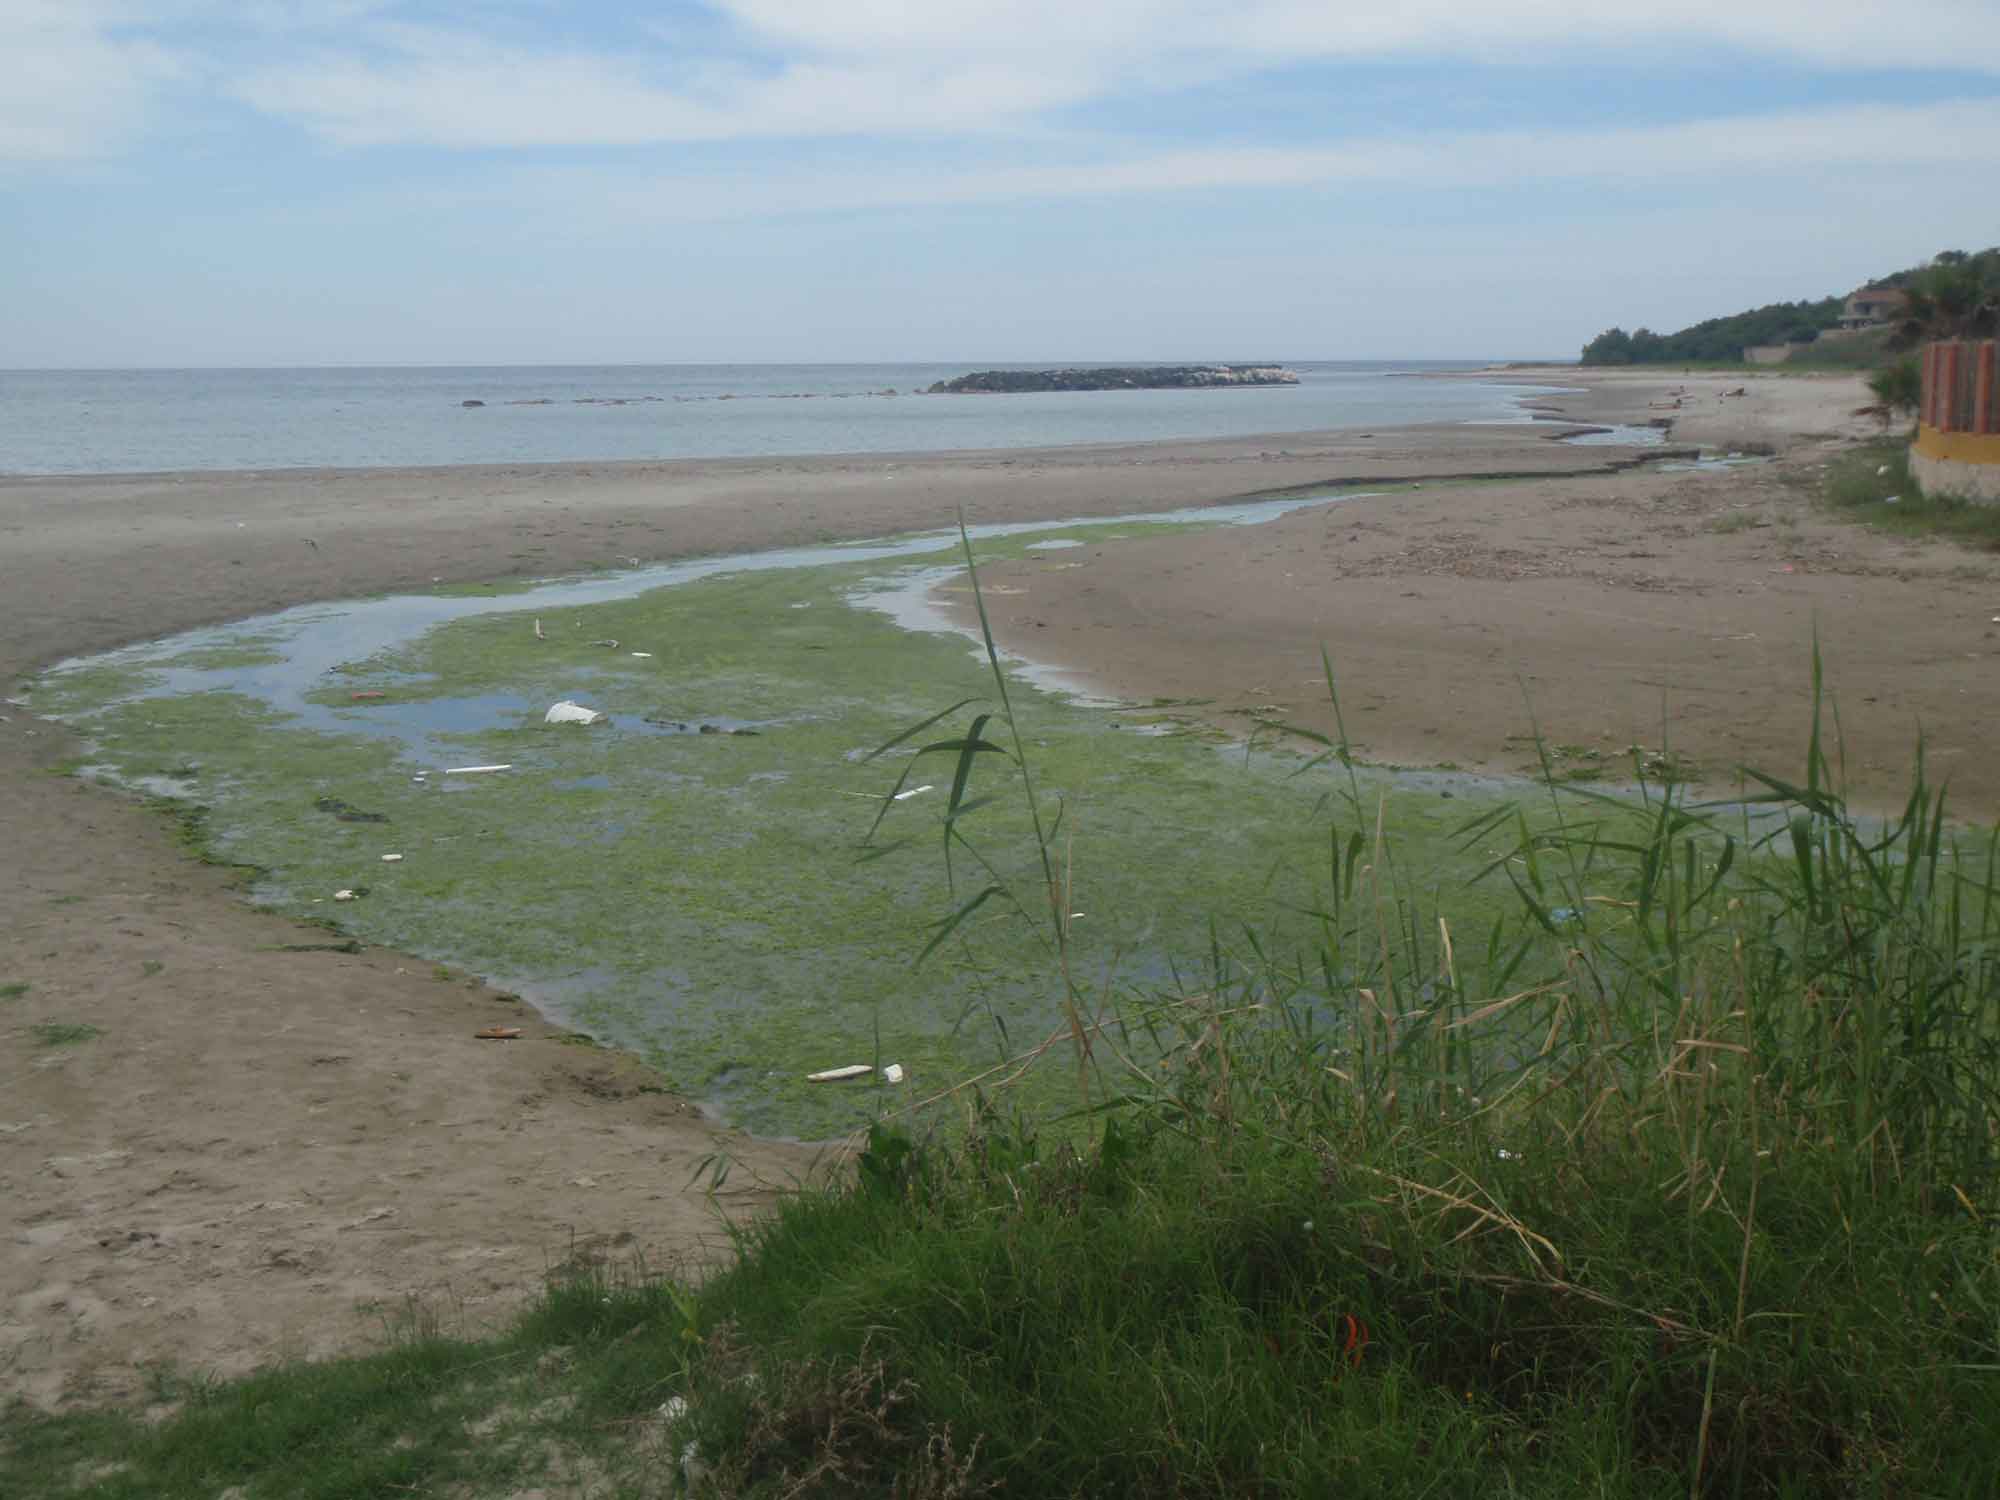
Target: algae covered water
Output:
[{"x": 695, "y": 879}]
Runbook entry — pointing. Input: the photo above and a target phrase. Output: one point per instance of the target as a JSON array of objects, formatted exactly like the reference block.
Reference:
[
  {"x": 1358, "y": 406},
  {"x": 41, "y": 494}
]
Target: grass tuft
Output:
[
  {"x": 63, "y": 1033},
  {"x": 1873, "y": 484}
]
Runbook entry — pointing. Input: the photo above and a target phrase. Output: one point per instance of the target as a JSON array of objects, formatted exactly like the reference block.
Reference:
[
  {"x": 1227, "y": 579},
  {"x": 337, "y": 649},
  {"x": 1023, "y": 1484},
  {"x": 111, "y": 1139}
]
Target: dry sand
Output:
[{"x": 267, "y": 1152}]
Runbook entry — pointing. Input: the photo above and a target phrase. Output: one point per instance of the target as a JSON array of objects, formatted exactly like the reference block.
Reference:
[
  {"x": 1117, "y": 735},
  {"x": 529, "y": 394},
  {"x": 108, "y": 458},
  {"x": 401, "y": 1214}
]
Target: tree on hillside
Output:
[
  {"x": 1611, "y": 347},
  {"x": 1716, "y": 338},
  {"x": 1956, "y": 295},
  {"x": 1953, "y": 298}
]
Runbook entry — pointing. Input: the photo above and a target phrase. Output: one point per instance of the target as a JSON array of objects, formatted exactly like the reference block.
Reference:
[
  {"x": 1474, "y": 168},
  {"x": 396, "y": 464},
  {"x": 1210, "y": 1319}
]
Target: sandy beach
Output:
[{"x": 272, "y": 1148}]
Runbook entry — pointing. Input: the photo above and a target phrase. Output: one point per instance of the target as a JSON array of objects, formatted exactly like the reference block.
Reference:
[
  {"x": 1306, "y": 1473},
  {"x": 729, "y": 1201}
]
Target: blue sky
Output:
[{"x": 197, "y": 182}]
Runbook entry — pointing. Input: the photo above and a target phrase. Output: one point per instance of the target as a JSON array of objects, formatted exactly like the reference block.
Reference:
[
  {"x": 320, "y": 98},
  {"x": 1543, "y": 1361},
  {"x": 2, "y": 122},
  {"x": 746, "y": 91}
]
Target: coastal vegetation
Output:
[
  {"x": 1898, "y": 385},
  {"x": 1715, "y": 339},
  {"x": 1954, "y": 295},
  {"x": 1873, "y": 484},
  {"x": 1672, "y": 1173}
]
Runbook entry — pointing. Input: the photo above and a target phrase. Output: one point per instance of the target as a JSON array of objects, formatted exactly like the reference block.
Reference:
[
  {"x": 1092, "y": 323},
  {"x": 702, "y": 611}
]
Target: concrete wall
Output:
[{"x": 1961, "y": 465}]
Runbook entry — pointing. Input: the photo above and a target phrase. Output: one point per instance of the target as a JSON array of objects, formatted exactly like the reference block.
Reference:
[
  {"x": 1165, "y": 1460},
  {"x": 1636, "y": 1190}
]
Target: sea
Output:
[{"x": 150, "y": 421}]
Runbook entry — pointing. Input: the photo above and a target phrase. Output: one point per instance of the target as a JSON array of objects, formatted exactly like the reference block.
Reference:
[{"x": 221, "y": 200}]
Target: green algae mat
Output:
[{"x": 694, "y": 879}]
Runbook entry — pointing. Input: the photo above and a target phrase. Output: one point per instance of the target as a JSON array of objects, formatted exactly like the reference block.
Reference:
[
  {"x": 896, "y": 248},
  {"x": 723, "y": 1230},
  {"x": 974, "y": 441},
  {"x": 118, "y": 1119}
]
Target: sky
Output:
[{"x": 298, "y": 182}]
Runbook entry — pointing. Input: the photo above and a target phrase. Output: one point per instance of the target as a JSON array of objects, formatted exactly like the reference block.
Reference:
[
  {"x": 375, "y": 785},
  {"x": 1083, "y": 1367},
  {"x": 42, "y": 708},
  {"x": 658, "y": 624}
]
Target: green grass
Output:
[
  {"x": 14, "y": 989},
  {"x": 63, "y": 1033},
  {"x": 380, "y": 1425},
  {"x": 1873, "y": 484},
  {"x": 1864, "y": 352}
]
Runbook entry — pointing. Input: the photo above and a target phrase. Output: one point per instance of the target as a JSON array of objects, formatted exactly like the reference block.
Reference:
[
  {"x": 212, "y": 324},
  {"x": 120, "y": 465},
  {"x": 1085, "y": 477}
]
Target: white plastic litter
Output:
[
  {"x": 694, "y": 1470},
  {"x": 567, "y": 712},
  {"x": 840, "y": 1075},
  {"x": 538, "y": 631},
  {"x": 913, "y": 791},
  {"x": 390, "y": 859},
  {"x": 893, "y": 1073},
  {"x": 476, "y": 770},
  {"x": 343, "y": 895}
]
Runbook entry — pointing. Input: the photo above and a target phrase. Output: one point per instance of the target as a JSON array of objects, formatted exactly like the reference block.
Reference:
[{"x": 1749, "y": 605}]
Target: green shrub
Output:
[{"x": 1899, "y": 386}]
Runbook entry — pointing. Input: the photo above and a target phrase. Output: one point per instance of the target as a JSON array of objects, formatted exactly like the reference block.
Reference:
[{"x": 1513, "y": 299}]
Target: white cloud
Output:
[
  {"x": 965, "y": 67},
  {"x": 1849, "y": 33},
  {"x": 80, "y": 76},
  {"x": 1861, "y": 141},
  {"x": 1834, "y": 33},
  {"x": 445, "y": 90},
  {"x": 70, "y": 84}
]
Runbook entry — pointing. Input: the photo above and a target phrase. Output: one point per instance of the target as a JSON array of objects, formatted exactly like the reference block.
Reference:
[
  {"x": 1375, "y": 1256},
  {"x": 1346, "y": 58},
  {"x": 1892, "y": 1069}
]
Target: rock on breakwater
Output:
[{"x": 1114, "y": 378}]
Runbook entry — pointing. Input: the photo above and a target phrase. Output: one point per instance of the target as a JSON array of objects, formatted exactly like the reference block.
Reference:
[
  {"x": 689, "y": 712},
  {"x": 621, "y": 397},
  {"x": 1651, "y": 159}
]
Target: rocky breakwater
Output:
[{"x": 1114, "y": 378}]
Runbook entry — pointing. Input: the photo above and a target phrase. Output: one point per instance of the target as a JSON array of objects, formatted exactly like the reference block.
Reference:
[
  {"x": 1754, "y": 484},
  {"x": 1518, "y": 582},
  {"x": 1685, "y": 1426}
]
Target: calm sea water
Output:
[{"x": 137, "y": 421}]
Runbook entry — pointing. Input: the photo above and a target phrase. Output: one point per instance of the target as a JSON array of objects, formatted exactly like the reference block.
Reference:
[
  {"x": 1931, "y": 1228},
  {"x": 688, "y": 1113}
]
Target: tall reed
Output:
[{"x": 1716, "y": 1107}]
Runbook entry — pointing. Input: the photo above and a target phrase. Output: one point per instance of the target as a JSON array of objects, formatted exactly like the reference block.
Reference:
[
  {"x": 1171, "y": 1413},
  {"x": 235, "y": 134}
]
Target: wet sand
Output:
[
  {"x": 266, "y": 1151},
  {"x": 1643, "y": 612}
]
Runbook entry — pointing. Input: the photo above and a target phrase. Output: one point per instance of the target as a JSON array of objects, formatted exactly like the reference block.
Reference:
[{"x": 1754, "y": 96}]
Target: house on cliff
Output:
[{"x": 1872, "y": 306}]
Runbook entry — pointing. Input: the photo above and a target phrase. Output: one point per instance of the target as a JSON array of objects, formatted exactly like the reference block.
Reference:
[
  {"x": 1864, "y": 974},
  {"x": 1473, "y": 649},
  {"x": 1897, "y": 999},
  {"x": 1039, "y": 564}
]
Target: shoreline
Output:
[
  {"x": 722, "y": 468},
  {"x": 322, "y": 1125},
  {"x": 469, "y": 440},
  {"x": 310, "y": 535}
]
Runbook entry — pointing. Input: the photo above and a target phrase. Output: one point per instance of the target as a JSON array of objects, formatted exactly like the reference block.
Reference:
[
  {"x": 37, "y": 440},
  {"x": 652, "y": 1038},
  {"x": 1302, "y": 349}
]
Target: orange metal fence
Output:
[{"x": 1961, "y": 392}]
